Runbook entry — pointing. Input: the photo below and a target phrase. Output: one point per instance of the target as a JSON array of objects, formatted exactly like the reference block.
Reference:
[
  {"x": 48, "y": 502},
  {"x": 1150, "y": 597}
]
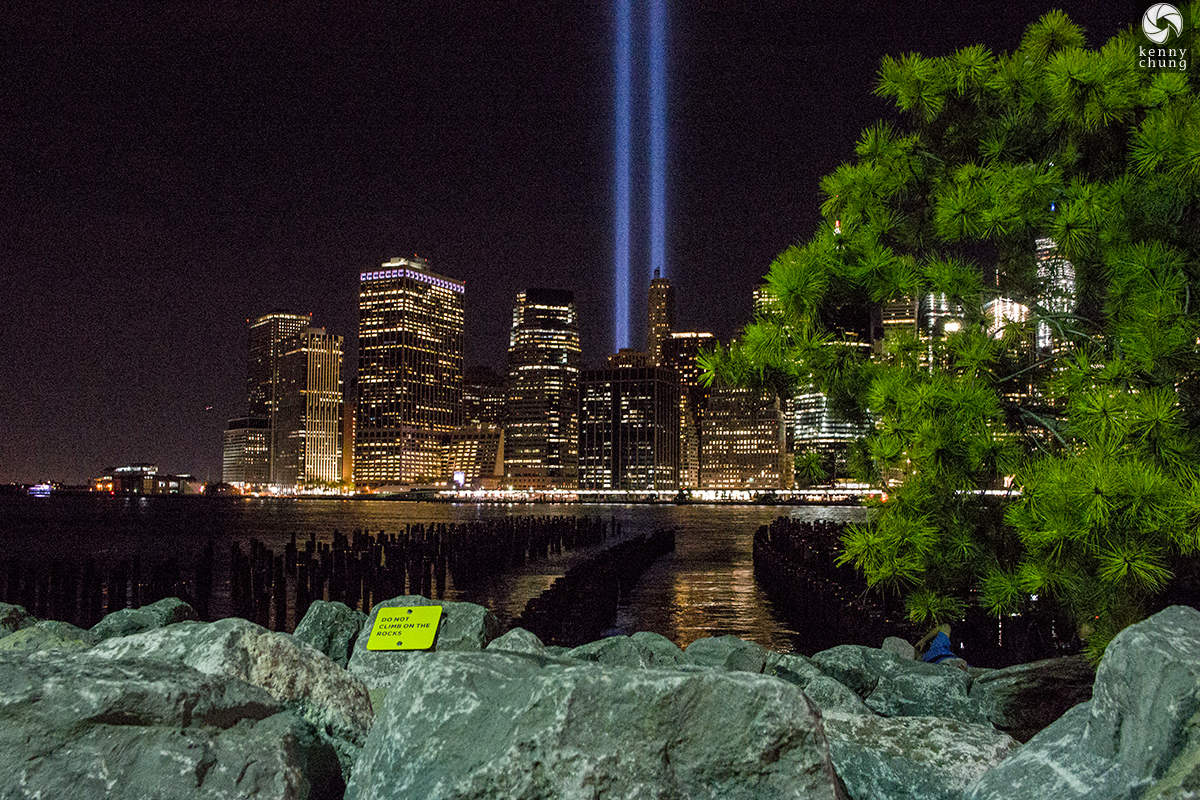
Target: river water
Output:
[{"x": 705, "y": 588}]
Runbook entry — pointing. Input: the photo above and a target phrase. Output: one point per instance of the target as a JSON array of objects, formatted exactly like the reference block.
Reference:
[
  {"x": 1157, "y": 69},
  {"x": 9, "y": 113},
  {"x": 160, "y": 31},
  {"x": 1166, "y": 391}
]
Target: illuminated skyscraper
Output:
[
  {"x": 270, "y": 336},
  {"x": 660, "y": 315},
  {"x": 679, "y": 352},
  {"x": 410, "y": 373},
  {"x": 744, "y": 441},
  {"x": 1056, "y": 294},
  {"x": 310, "y": 412},
  {"x": 541, "y": 442},
  {"x": 629, "y": 429},
  {"x": 246, "y": 455}
]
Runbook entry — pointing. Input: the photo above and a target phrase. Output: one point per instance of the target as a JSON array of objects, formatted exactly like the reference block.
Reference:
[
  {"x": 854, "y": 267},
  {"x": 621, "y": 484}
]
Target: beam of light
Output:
[
  {"x": 658, "y": 138},
  {"x": 622, "y": 143}
]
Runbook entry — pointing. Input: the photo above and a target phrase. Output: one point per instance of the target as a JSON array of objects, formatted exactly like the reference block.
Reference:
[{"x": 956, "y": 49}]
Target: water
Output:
[{"x": 705, "y": 588}]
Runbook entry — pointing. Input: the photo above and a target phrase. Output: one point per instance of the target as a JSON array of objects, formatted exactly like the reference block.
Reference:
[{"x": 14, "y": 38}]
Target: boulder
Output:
[
  {"x": 332, "y": 628},
  {"x": 464, "y": 627},
  {"x": 84, "y": 727},
  {"x": 914, "y": 758},
  {"x": 14, "y": 618},
  {"x": 639, "y": 650},
  {"x": 68, "y": 632},
  {"x": 926, "y": 690},
  {"x": 1024, "y": 699},
  {"x": 518, "y": 640},
  {"x": 895, "y": 687},
  {"x": 728, "y": 652},
  {"x": 1057, "y": 764},
  {"x": 489, "y": 725},
  {"x": 128, "y": 621},
  {"x": 39, "y": 638},
  {"x": 901, "y": 647},
  {"x": 331, "y": 699},
  {"x": 1138, "y": 734},
  {"x": 823, "y": 691}
]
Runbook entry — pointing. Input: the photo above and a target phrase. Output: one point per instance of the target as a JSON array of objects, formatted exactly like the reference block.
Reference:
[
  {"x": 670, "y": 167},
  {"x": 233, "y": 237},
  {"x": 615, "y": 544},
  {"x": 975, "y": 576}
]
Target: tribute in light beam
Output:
[
  {"x": 658, "y": 138},
  {"x": 624, "y": 79}
]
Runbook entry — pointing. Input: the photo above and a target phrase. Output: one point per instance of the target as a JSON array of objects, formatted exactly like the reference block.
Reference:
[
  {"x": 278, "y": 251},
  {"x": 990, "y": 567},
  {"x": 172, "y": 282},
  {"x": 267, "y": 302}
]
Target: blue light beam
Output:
[
  {"x": 621, "y": 177},
  {"x": 658, "y": 138}
]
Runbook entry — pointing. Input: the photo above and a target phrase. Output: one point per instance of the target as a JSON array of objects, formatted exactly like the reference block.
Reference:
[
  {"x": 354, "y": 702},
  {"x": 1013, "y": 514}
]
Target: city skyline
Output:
[{"x": 170, "y": 172}]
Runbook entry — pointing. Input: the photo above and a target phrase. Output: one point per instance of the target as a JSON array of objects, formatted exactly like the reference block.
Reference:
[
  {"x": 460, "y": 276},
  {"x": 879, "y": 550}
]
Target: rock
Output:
[
  {"x": 1024, "y": 699},
  {"x": 332, "y": 700},
  {"x": 893, "y": 687},
  {"x": 1138, "y": 734},
  {"x": 464, "y": 627},
  {"x": 461, "y": 725},
  {"x": 822, "y": 691},
  {"x": 1056, "y": 764},
  {"x": 14, "y": 618},
  {"x": 68, "y": 632},
  {"x": 926, "y": 690},
  {"x": 38, "y": 638},
  {"x": 916, "y": 758},
  {"x": 128, "y": 621},
  {"x": 829, "y": 695},
  {"x": 639, "y": 650},
  {"x": 856, "y": 666},
  {"x": 518, "y": 640},
  {"x": 332, "y": 628},
  {"x": 84, "y": 727},
  {"x": 728, "y": 652},
  {"x": 901, "y": 647}
]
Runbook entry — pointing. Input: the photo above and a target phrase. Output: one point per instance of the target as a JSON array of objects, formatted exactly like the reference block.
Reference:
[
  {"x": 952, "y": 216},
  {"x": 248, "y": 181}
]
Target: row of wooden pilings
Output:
[
  {"x": 275, "y": 589},
  {"x": 83, "y": 592},
  {"x": 583, "y": 603},
  {"x": 828, "y": 603}
]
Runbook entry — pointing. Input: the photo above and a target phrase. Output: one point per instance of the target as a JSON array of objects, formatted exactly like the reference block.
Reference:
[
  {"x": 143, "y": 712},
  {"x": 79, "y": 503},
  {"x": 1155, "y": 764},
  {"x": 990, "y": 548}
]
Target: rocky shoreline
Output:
[{"x": 152, "y": 703}]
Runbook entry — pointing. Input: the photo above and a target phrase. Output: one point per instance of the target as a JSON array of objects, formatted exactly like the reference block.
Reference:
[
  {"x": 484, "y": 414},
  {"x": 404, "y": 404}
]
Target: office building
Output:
[
  {"x": 815, "y": 426},
  {"x": 629, "y": 429},
  {"x": 541, "y": 442},
  {"x": 679, "y": 353},
  {"x": 483, "y": 397},
  {"x": 475, "y": 457},
  {"x": 269, "y": 337},
  {"x": 660, "y": 312},
  {"x": 1056, "y": 294},
  {"x": 744, "y": 441},
  {"x": 410, "y": 373},
  {"x": 310, "y": 412},
  {"x": 246, "y": 454}
]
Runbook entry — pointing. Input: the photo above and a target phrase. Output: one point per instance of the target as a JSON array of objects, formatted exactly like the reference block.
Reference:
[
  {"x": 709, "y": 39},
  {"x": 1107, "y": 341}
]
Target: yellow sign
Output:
[{"x": 408, "y": 628}]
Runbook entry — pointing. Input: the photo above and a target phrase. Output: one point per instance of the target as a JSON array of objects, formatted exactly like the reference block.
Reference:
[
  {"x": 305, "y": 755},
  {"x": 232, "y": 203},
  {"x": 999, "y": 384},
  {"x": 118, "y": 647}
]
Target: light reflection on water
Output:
[{"x": 705, "y": 588}]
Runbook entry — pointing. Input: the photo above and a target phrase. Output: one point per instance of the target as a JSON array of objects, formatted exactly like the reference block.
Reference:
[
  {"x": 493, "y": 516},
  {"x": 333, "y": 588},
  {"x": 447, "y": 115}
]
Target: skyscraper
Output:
[
  {"x": 660, "y": 313},
  {"x": 629, "y": 429},
  {"x": 269, "y": 337},
  {"x": 310, "y": 411},
  {"x": 1056, "y": 292},
  {"x": 246, "y": 454},
  {"x": 541, "y": 443},
  {"x": 410, "y": 372},
  {"x": 678, "y": 353},
  {"x": 744, "y": 441}
]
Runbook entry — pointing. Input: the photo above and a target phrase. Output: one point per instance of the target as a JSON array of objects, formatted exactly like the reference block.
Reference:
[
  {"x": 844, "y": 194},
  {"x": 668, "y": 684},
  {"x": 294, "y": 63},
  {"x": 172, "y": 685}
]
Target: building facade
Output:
[
  {"x": 246, "y": 454},
  {"x": 541, "y": 443},
  {"x": 660, "y": 316},
  {"x": 269, "y": 338},
  {"x": 629, "y": 429},
  {"x": 310, "y": 412},
  {"x": 410, "y": 373},
  {"x": 744, "y": 442},
  {"x": 679, "y": 353}
]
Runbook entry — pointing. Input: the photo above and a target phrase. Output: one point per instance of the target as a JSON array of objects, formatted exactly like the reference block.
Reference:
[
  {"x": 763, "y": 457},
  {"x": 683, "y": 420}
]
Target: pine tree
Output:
[{"x": 1090, "y": 412}]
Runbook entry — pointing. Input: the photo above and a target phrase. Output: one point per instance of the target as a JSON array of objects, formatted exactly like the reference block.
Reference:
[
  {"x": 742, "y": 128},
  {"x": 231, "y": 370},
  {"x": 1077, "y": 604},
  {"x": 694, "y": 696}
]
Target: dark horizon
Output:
[{"x": 171, "y": 170}]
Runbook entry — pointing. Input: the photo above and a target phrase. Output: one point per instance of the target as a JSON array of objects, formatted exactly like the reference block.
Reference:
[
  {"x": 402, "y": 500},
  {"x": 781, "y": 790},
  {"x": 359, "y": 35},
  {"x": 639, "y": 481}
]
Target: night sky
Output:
[{"x": 170, "y": 169}]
